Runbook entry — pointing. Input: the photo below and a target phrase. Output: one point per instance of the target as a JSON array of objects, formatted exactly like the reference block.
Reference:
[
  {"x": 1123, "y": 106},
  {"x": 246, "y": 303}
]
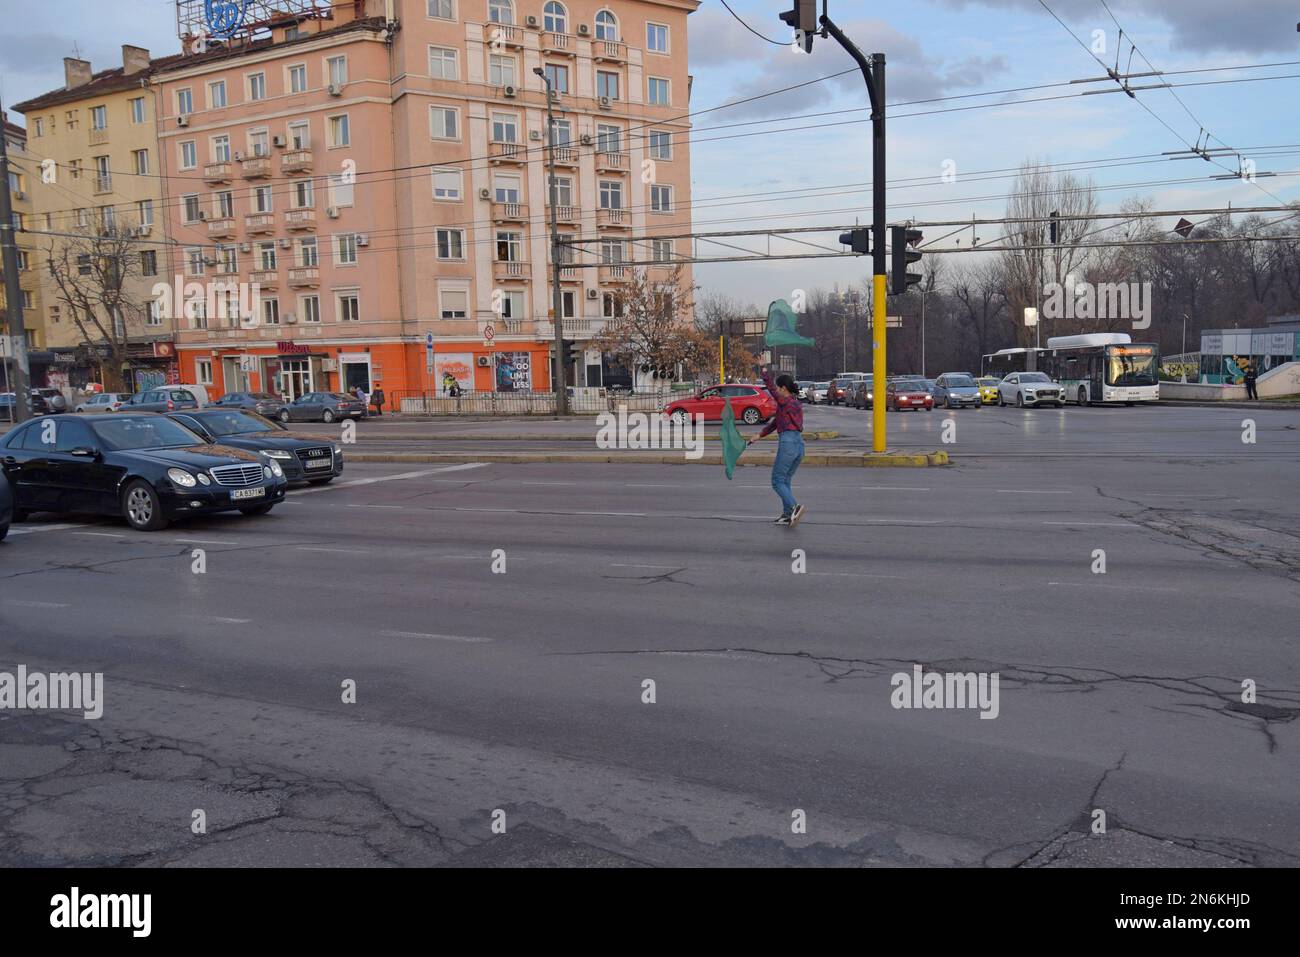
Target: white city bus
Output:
[{"x": 1103, "y": 367}]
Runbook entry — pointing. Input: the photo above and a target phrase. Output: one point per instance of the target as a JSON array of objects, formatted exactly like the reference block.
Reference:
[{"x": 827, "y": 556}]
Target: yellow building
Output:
[
  {"x": 20, "y": 178},
  {"x": 93, "y": 181}
]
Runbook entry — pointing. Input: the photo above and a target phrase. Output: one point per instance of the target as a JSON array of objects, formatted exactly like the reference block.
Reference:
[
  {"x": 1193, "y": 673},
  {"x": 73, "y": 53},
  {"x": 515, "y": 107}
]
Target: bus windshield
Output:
[{"x": 1130, "y": 365}]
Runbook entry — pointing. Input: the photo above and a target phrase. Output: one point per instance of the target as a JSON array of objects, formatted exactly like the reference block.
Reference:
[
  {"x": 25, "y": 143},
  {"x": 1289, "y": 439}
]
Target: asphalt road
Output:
[{"x": 522, "y": 692}]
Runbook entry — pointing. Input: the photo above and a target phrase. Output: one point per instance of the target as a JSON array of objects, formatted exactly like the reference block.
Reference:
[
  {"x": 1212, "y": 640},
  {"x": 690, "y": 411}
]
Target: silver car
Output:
[
  {"x": 104, "y": 402},
  {"x": 1030, "y": 389},
  {"x": 953, "y": 390}
]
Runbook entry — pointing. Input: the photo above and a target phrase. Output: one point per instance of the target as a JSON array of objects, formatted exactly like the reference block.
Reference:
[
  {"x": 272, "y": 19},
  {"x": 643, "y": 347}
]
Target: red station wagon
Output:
[
  {"x": 751, "y": 403},
  {"x": 908, "y": 394}
]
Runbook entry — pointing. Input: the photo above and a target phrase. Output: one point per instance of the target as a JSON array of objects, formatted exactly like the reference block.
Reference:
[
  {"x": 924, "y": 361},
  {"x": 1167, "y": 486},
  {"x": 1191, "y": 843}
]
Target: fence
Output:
[{"x": 582, "y": 402}]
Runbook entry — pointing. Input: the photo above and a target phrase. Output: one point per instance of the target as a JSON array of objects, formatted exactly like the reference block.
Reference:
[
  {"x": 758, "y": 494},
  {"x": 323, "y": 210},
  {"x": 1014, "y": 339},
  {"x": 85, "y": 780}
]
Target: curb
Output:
[
  {"x": 1281, "y": 404},
  {"x": 819, "y": 460},
  {"x": 471, "y": 437}
]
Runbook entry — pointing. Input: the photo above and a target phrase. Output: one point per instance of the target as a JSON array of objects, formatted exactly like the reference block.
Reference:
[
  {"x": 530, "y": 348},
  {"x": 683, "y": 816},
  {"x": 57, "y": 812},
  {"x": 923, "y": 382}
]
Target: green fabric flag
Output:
[
  {"x": 781, "y": 326},
  {"x": 733, "y": 443}
]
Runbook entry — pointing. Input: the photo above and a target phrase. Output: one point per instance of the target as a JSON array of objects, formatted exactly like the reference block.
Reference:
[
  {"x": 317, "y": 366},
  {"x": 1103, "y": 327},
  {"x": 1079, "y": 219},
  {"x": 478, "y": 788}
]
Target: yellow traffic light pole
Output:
[{"x": 878, "y": 363}]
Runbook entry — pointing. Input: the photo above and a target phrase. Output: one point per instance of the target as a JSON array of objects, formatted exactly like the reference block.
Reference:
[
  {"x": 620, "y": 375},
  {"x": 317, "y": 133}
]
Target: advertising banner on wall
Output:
[
  {"x": 459, "y": 365},
  {"x": 514, "y": 372}
]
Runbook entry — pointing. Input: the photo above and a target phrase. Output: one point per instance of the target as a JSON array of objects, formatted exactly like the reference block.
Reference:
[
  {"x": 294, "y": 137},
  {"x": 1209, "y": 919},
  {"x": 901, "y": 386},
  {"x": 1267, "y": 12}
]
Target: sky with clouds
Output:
[{"x": 802, "y": 158}]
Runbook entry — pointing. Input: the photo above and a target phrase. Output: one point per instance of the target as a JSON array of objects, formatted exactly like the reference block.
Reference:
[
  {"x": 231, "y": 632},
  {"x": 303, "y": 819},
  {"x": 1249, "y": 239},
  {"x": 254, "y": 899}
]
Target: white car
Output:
[
  {"x": 104, "y": 402},
  {"x": 817, "y": 394},
  {"x": 1030, "y": 389}
]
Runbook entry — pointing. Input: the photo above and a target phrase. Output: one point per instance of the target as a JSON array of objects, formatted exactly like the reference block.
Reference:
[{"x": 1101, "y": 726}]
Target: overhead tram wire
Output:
[{"x": 751, "y": 29}]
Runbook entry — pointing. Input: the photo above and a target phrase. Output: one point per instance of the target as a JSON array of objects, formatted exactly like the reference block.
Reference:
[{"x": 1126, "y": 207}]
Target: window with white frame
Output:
[
  {"x": 141, "y": 158},
  {"x": 443, "y": 63},
  {"x": 303, "y": 194},
  {"x": 262, "y": 199},
  {"x": 271, "y": 312},
  {"x": 221, "y": 149},
  {"x": 38, "y": 126},
  {"x": 510, "y": 246},
  {"x": 308, "y": 255},
  {"x": 99, "y": 117},
  {"x": 444, "y": 123},
  {"x": 224, "y": 204},
  {"x": 661, "y": 198},
  {"x": 266, "y": 257},
  {"x": 257, "y": 86},
  {"x": 194, "y": 265},
  {"x": 144, "y": 212},
  {"x": 501, "y": 70},
  {"x": 506, "y": 187},
  {"x": 203, "y": 368},
  {"x": 137, "y": 110},
  {"x": 661, "y": 145},
  {"x": 441, "y": 9},
  {"x": 453, "y": 303},
  {"x": 606, "y": 26},
  {"x": 447, "y": 184},
  {"x": 451, "y": 243},
  {"x": 512, "y": 304},
  {"x": 563, "y": 191},
  {"x": 568, "y": 304},
  {"x": 611, "y": 306},
  {"x": 149, "y": 262},
  {"x": 340, "y": 189},
  {"x": 336, "y": 71},
  {"x": 558, "y": 74},
  {"x": 229, "y": 259},
  {"x": 339, "y": 134},
  {"x": 608, "y": 138},
  {"x": 607, "y": 84},
  {"x": 184, "y": 101},
  {"x": 562, "y": 132},
  {"x": 345, "y": 249},
  {"x": 555, "y": 19},
  {"x": 505, "y": 128},
  {"x": 196, "y": 309},
  {"x": 189, "y": 155},
  {"x": 216, "y": 94},
  {"x": 501, "y": 11},
  {"x": 258, "y": 143},
  {"x": 662, "y": 250},
  {"x": 300, "y": 136},
  {"x": 611, "y": 251},
  {"x": 298, "y": 78},
  {"x": 190, "y": 207},
  {"x": 657, "y": 88},
  {"x": 348, "y": 306},
  {"x": 155, "y": 315},
  {"x": 656, "y": 37},
  {"x": 611, "y": 194},
  {"x": 309, "y": 308}
]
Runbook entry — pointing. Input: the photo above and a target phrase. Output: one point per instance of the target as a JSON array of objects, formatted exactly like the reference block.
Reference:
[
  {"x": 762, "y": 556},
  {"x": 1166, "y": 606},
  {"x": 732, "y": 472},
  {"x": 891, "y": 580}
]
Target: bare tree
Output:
[
  {"x": 981, "y": 294},
  {"x": 651, "y": 328}
]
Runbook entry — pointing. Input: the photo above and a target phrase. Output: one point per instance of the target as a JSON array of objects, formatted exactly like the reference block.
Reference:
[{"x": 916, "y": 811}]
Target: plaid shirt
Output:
[{"x": 789, "y": 411}]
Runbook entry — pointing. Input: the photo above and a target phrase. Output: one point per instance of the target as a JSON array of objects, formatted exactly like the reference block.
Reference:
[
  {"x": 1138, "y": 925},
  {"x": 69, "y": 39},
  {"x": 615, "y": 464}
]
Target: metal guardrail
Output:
[{"x": 487, "y": 403}]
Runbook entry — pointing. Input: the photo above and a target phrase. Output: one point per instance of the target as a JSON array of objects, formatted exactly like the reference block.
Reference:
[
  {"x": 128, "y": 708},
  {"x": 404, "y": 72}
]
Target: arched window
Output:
[
  {"x": 501, "y": 11},
  {"x": 606, "y": 26},
  {"x": 556, "y": 20}
]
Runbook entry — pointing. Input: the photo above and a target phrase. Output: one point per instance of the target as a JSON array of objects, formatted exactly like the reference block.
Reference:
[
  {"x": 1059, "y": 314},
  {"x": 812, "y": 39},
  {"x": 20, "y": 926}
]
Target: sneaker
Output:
[
  {"x": 798, "y": 514},
  {"x": 783, "y": 520}
]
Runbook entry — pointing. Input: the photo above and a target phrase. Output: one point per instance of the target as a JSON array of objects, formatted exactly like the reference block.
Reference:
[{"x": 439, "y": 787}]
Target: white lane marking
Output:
[
  {"x": 638, "y": 565},
  {"x": 101, "y": 534},
  {"x": 632, "y": 485},
  {"x": 857, "y": 575},
  {"x": 1098, "y": 524},
  {"x": 36, "y": 604},
  {"x": 318, "y": 548},
  {"x": 46, "y": 528},
  {"x": 421, "y": 634},
  {"x": 1100, "y": 585},
  {"x": 523, "y": 511},
  {"x": 352, "y": 483},
  {"x": 1034, "y": 491},
  {"x": 376, "y": 506},
  {"x": 548, "y": 483},
  {"x": 227, "y": 621},
  {"x": 202, "y": 541}
]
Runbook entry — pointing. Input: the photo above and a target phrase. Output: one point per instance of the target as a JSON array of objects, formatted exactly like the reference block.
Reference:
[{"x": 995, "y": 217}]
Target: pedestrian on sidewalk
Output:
[
  {"x": 377, "y": 399},
  {"x": 364, "y": 398},
  {"x": 1250, "y": 382},
  {"x": 788, "y": 425}
]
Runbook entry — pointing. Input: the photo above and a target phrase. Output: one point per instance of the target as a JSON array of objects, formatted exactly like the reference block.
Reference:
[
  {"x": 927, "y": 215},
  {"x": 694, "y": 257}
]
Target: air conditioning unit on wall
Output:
[
  {"x": 485, "y": 193},
  {"x": 583, "y": 29},
  {"x": 593, "y": 293},
  {"x": 484, "y": 361},
  {"x": 531, "y": 21}
]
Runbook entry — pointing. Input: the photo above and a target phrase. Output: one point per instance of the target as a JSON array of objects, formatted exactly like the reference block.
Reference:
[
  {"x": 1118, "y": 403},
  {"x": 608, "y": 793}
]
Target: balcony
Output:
[
  {"x": 103, "y": 183},
  {"x": 558, "y": 44},
  {"x": 566, "y": 156},
  {"x": 570, "y": 273},
  {"x": 98, "y": 137},
  {"x": 259, "y": 223},
  {"x": 582, "y": 328},
  {"x": 265, "y": 278},
  {"x": 510, "y": 269},
  {"x": 300, "y": 219},
  {"x": 613, "y": 219},
  {"x": 610, "y": 51},
  {"x": 614, "y": 273},
  {"x": 503, "y": 35},
  {"x": 256, "y": 167},
  {"x": 223, "y": 228},
  {"x": 296, "y": 161},
  {"x": 509, "y": 213},
  {"x": 503, "y": 152},
  {"x": 607, "y": 162},
  {"x": 568, "y": 214},
  {"x": 215, "y": 173},
  {"x": 304, "y": 277}
]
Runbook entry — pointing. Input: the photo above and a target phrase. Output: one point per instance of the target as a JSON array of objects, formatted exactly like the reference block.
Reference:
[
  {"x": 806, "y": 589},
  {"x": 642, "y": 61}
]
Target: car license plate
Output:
[
  {"x": 319, "y": 463},
  {"x": 243, "y": 493}
]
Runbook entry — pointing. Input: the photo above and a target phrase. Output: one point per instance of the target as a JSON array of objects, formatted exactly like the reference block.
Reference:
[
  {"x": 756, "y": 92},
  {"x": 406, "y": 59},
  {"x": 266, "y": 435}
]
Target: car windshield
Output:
[
  {"x": 960, "y": 382},
  {"x": 911, "y": 385},
  {"x": 1131, "y": 365},
  {"x": 1034, "y": 377},
  {"x": 988, "y": 380},
  {"x": 263, "y": 397},
  {"x": 130, "y": 432},
  {"x": 821, "y": 385},
  {"x": 234, "y": 423}
]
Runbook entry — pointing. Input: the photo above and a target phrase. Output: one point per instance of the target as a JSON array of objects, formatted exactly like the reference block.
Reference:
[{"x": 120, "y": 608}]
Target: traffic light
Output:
[
  {"x": 804, "y": 19},
  {"x": 858, "y": 239},
  {"x": 901, "y": 239},
  {"x": 566, "y": 354}
]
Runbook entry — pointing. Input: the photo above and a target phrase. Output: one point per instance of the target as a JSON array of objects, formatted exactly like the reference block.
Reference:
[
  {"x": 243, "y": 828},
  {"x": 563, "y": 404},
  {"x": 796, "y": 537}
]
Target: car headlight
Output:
[
  {"x": 276, "y": 454},
  {"x": 274, "y": 470},
  {"x": 182, "y": 478},
  {"x": 338, "y": 449},
  {"x": 204, "y": 480}
]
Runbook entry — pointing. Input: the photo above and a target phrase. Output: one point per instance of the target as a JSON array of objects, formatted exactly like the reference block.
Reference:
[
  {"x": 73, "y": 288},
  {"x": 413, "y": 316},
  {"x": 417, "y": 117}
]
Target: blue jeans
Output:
[{"x": 789, "y": 453}]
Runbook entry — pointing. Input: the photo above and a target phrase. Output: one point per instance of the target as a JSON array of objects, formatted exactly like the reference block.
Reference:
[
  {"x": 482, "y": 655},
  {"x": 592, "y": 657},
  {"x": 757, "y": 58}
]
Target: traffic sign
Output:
[{"x": 489, "y": 332}]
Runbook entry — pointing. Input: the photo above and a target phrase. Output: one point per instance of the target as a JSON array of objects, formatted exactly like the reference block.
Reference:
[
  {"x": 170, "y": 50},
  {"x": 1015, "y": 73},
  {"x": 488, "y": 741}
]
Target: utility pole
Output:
[
  {"x": 13, "y": 294},
  {"x": 557, "y": 299}
]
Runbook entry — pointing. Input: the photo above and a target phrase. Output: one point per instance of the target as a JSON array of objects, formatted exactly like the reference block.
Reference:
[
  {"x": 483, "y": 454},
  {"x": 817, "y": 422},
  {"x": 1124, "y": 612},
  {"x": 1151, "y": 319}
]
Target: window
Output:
[
  {"x": 271, "y": 312},
  {"x": 107, "y": 218},
  {"x": 225, "y": 204},
  {"x": 661, "y": 199},
  {"x": 303, "y": 195},
  {"x": 70, "y": 119},
  {"x": 141, "y": 158},
  {"x": 299, "y": 136},
  {"x": 189, "y": 155},
  {"x": 563, "y": 132},
  {"x": 56, "y": 315},
  {"x": 203, "y": 368},
  {"x": 501, "y": 70},
  {"x": 184, "y": 102},
  {"x": 611, "y": 194},
  {"x": 662, "y": 250},
  {"x": 83, "y": 264},
  {"x": 340, "y": 189},
  {"x": 144, "y": 212},
  {"x": 658, "y": 91},
  {"x": 27, "y": 298},
  {"x": 442, "y": 63},
  {"x": 221, "y": 149},
  {"x": 24, "y": 261},
  {"x": 559, "y": 77},
  {"x": 155, "y": 316},
  {"x": 74, "y": 166},
  {"x": 229, "y": 259},
  {"x": 447, "y": 184},
  {"x": 505, "y": 128},
  {"x": 266, "y": 257},
  {"x": 555, "y": 19},
  {"x": 99, "y": 117},
  {"x": 563, "y": 191},
  {"x": 611, "y": 251},
  {"x": 656, "y": 37},
  {"x": 336, "y": 70},
  {"x": 257, "y": 86},
  {"x": 38, "y": 126},
  {"x": 505, "y": 188},
  {"x": 444, "y": 123},
  {"x": 103, "y": 176},
  {"x": 441, "y": 9},
  {"x": 451, "y": 244},
  {"x": 611, "y": 306},
  {"x": 298, "y": 78},
  {"x": 608, "y": 138},
  {"x": 216, "y": 94},
  {"x": 137, "y": 109},
  {"x": 309, "y": 306},
  {"x": 194, "y": 265},
  {"x": 510, "y": 246},
  {"x": 568, "y": 305},
  {"x": 262, "y": 199},
  {"x": 308, "y": 255},
  {"x": 345, "y": 247},
  {"x": 338, "y": 131},
  {"x": 454, "y": 303},
  {"x": 197, "y": 310},
  {"x": 661, "y": 145},
  {"x": 606, "y": 26},
  {"x": 83, "y": 218},
  {"x": 501, "y": 11},
  {"x": 257, "y": 143},
  {"x": 512, "y": 304},
  {"x": 607, "y": 84},
  {"x": 349, "y": 307}
]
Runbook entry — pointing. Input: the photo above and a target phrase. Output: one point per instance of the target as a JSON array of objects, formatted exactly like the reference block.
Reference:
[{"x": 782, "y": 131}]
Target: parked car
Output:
[
  {"x": 104, "y": 402},
  {"x": 304, "y": 458},
  {"x": 860, "y": 397},
  {"x": 53, "y": 398},
  {"x": 323, "y": 407},
  {"x": 818, "y": 393},
  {"x": 143, "y": 467},
  {"x": 908, "y": 394},
  {"x": 988, "y": 389},
  {"x": 199, "y": 393},
  {"x": 840, "y": 390},
  {"x": 1030, "y": 389},
  {"x": 263, "y": 403},
  {"x": 953, "y": 390},
  {"x": 160, "y": 400},
  {"x": 8, "y": 402},
  {"x": 805, "y": 386},
  {"x": 750, "y": 403},
  {"x": 6, "y": 506}
]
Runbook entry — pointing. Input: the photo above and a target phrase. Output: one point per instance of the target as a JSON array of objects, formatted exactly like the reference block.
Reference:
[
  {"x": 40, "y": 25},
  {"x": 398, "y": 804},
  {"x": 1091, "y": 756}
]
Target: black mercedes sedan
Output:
[
  {"x": 141, "y": 466},
  {"x": 6, "y": 506},
  {"x": 304, "y": 458}
]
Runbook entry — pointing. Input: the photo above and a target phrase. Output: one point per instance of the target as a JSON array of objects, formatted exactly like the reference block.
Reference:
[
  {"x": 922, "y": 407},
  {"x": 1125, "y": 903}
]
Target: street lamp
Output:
[{"x": 557, "y": 303}]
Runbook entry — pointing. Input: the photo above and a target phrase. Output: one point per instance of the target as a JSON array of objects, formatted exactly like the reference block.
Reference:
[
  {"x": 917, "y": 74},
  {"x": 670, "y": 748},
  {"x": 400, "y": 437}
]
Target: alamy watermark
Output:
[
  {"x": 1126, "y": 301},
  {"x": 947, "y": 690},
  {"x": 641, "y": 430},
  {"x": 57, "y": 691}
]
